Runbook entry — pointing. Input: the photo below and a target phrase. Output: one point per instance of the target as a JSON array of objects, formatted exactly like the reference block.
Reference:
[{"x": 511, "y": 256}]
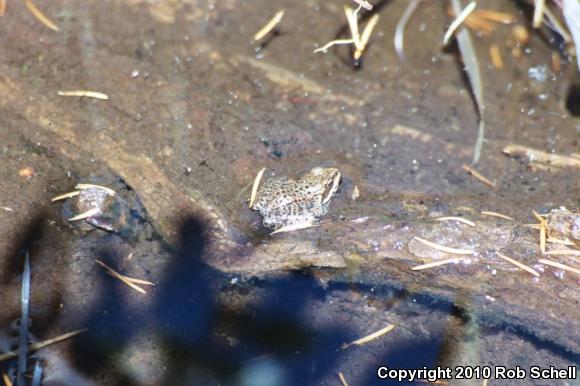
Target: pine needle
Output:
[
  {"x": 459, "y": 219},
  {"x": 84, "y": 93},
  {"x": 370, "y": 337},
  {"x": 40, "y": 16},
  {"x": 559, "y": 265},
  {"x": 40, "y": 345},
  {"x": 269, "y": 26},
  {"x": 443, "y": 248},
  {"x": 518, "y": 264},
  {"x": 439, "y": 263}
]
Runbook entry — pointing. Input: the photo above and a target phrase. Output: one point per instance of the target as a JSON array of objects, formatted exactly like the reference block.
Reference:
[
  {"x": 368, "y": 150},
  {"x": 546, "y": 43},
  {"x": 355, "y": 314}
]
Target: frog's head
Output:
[{"x": 328, "y": 181}]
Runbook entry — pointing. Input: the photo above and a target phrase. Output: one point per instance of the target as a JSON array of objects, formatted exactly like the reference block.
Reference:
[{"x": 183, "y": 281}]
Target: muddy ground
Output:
[{"x": 195, "y": 110}]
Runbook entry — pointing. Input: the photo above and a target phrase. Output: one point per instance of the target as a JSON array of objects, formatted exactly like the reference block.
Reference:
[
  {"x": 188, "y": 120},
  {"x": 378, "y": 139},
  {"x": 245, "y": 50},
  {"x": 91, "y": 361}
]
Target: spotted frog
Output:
[{"x": 286, "y": 203}]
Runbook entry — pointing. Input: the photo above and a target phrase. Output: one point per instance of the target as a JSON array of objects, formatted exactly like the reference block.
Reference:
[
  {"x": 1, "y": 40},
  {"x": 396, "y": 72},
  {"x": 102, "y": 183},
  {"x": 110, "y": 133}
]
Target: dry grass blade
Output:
[
  {"x": 495, "y": 214},
  {"x": 434, "y": 264},
  {"x": 87, "y": 214},
  {"x": 131, "y": 282},
  {"x": 559, "y": 265},
  {"x": 563, "y": 252},
  {"x": 84, "y": 93},
  {"x": 342, "y": 379},
  {"x": 66, "y": 195},
  {"x": 518, "y": 264},
  {"x": 269, "y": 26},
  {"x": 7, "y": 209},
  {"x": 539, "y": 7},
  {"x": 473, "y": 74},
  {"x": 255, "y": 186},
  {"x": 543, "y": 231},
  {"x": 2, "y": 7},
  {"x": 40, "y": 345},
  {"x": 399, "y": 39},
  {"x": 461, "y": 16},
  {"x": 460, "y": 219},
  {"x": 110, "y": 191},
  {"x": 295, "y": 227},
  {"x": 478, "y": 175},
  {"x": 40, "y": 16},
  {"x": 370, "y": 337},
  {"x": 443, "y": 248},
  {"x": 6, "y": 379}
]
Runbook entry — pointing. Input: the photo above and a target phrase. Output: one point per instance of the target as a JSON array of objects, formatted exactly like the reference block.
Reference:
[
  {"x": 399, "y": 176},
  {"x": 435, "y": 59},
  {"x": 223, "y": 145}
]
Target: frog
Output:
[{"x": 285, "y": 203}]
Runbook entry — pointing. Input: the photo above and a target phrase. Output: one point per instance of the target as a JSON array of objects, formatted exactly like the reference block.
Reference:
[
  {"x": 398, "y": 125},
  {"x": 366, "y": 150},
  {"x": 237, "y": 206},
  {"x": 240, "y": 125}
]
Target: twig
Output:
[
  {"x": 2, "y": 7},
  {"x": 518, "y": 264},
  {"x": 370, "y": 337},
  {"x": 40, "y": 345},
  {"x": 269, "y": 26},
  {"x": 478, "y": 175}
]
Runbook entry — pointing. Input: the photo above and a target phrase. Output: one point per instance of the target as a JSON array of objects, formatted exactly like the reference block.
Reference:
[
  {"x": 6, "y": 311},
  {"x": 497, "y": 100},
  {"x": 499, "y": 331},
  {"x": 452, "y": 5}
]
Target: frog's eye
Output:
[{"x": 330, "y": 187}]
